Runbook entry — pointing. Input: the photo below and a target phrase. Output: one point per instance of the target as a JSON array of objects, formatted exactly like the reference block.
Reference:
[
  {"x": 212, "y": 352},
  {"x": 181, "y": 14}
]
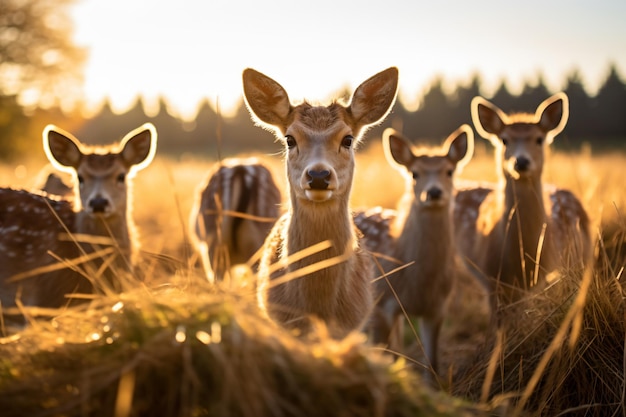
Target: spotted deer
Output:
[
  {"x": 235, "y": 209},
  {"x": 51, "y": 247},
  {"x": 515, "y": 234},
  {"x": 319, "y": 158},
  {"x": 417, "y": 238}
]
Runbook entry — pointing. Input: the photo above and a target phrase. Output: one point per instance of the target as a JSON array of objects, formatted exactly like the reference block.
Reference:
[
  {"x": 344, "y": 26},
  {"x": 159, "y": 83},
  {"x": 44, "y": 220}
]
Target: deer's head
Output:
[
  {"x": 319, "y": 140},
  {"x": 101, "y": 173},
  {"x": 520, "y": 138},
  {"x": 430, "y": 172}
]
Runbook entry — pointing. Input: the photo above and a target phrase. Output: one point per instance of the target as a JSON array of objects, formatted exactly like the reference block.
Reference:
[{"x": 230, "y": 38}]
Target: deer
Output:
[
  {"x": 51, "y": 247},
  {"x": 55, "y": 184},
  {"x": 313, "y": 270},
  {"x": 416, "y": 239},
  {"x": 235, "y": 208},
  {"x": 516, "y": 235}
]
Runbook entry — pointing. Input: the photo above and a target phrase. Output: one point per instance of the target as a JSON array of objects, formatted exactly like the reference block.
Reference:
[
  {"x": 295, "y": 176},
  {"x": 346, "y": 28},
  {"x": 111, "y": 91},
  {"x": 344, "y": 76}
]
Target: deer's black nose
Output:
[
  {"x": 434, "y": 193},
  {"x": 522, "y": 164},
  {"x": 319, "y": 180},
  {"x": 98, "y": 204}
]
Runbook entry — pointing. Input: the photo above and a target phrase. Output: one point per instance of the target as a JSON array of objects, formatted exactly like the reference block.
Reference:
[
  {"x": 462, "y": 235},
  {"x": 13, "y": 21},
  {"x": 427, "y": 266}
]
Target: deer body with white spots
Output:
[
  {"x": 418, "y": 237},
  {"x": 235, "y": 209},
  {"x": 46, "y": 241},
  {"x": 515, "y": 234},
  {"x": 319, "y": 158}
]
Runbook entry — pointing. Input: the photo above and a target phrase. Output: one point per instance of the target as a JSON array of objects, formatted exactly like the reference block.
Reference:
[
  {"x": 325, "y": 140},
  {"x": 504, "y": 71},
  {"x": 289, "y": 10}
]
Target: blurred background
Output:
[{"x": 100, "y": 69}]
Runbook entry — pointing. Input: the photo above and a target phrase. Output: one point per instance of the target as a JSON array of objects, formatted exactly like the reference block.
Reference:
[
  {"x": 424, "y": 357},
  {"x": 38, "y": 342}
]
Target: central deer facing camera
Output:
[{"x": 332, "y": 285}]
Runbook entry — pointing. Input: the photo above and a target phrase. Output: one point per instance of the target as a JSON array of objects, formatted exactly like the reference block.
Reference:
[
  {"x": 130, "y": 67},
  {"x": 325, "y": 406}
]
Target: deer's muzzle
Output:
[{"x": 319, "y": 180}]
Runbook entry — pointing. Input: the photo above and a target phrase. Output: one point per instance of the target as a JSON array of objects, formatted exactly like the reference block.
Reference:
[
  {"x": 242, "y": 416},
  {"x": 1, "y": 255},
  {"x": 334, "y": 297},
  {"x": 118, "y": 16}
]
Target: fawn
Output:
[
  {"x": 51, "y": 247},
  {"x": 55, "y": 184},
  {"x": 319, "y": 157},
  {"x": 514, "y": 235},
  {"x": 235, "y": 209},
  {"x": 418, "y": 237}
]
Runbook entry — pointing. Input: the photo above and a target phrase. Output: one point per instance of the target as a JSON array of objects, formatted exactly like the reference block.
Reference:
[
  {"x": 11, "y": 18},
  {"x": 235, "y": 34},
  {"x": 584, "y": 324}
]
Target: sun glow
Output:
[{"x": 193, "y": 50}]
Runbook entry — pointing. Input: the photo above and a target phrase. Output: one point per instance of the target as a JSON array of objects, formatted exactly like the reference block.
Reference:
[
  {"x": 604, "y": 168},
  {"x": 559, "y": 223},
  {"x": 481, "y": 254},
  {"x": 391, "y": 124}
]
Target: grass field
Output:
[{"x": 155, "y": 351}]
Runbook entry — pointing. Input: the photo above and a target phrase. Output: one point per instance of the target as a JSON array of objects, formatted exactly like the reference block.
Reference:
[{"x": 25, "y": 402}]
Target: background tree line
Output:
[{"x": 598, "y": 119}]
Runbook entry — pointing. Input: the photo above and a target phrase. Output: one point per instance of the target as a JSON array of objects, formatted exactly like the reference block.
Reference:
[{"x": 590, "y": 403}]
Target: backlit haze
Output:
[{"x": 189, "y": 50}]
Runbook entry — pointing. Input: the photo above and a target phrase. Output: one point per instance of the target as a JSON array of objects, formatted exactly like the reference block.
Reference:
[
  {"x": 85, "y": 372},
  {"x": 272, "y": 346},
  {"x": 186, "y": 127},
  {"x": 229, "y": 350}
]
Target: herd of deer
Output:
[{"x": 320, "y": 261}]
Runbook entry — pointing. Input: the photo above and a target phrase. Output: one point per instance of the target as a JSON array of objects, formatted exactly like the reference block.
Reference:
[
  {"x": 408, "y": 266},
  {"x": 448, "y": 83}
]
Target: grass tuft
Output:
[
  {"x": 562, "y": 350},
  {"x": 199, "y": 350}
]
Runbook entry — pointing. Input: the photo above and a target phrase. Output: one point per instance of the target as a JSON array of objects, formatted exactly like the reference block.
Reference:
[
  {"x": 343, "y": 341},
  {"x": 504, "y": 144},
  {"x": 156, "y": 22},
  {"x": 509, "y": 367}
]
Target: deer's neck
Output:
[
  {"x": 426, "y": 234},
  {"x": 525, "y": 197},
  {"x": 115, "y": 227},
  {"x": 523, "y": 222},
  {"x": 310, "y": 224}
]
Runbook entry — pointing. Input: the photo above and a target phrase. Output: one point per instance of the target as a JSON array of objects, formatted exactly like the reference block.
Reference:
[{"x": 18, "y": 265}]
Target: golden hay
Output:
[
  {"x": 561, "y": 351},
  {"x": 157, "y": 354},
  {"x": 196, "y": 350}
]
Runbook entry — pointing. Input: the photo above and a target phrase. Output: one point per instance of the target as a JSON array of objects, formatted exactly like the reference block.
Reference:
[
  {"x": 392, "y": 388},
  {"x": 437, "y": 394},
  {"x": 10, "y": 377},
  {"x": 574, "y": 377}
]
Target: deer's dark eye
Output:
[
  {"x": 346, "y": 142},
  {"x": 450, "y": 172},
  {"x": 505, "y": 142},
  {"x": 290, "y": 141},
  {"x": 415, "y": 175},
  {"x": 81, "y": 180},
  {"x": 121, "y": 177},
  {"x": 540, "y": 140}
]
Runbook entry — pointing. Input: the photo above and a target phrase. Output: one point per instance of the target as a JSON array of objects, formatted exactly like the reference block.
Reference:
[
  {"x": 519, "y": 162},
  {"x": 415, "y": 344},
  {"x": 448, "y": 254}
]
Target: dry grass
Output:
[
  {"x": 561, "y": 351},
  {"x": 189, "y": 349}
]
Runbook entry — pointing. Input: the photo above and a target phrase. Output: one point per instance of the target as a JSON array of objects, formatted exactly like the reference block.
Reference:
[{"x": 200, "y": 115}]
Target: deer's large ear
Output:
[
  {"x": 460, "y": 145},
  {"x": 552, "y": 115},
  {"x": 266, "y": 100},
  {"x": 397, "y": 149},
  {"x": 61, "y": 148},
  {"x": 139, "y": 147},
  {"x": 373, "y": 99},
  {"x": 488, "y": 119}
]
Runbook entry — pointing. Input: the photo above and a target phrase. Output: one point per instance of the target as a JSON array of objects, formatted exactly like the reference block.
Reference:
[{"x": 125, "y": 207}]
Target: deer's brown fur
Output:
[
  {"x": 418, "y": 237},
  {"x": 46, "y": 242},
  {"x": 235, "y": 209},
  {"x": 319, "y": 159},
  {"x": 514, "y": 234}
]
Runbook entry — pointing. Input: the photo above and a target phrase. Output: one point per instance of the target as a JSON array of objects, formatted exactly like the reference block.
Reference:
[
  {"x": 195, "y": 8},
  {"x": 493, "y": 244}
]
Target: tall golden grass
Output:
[{"x": 154, "y": 350}]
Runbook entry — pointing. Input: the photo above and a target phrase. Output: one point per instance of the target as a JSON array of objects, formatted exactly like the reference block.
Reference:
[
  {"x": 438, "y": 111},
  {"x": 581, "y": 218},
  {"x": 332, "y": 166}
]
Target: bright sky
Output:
[{"x": 188, "y": 50}]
